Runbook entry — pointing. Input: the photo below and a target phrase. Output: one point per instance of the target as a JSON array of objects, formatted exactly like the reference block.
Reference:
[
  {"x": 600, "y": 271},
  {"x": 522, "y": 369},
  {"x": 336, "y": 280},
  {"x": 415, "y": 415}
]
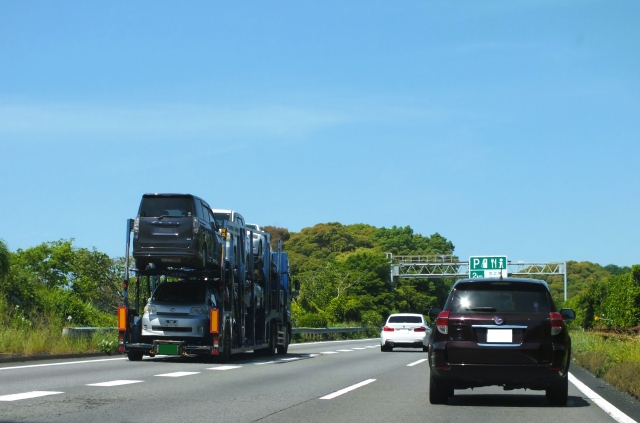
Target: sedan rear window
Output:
[
  {"x": 166, "y": 206},
  {"x": 405, "y": 319},
  {"x": 486, "y": 297},
  {"x": 178, "y": 292}
]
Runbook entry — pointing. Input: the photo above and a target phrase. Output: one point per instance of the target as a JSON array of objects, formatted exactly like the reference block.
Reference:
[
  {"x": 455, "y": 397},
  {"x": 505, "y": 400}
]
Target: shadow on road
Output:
[{"x": 510, "y": 400}]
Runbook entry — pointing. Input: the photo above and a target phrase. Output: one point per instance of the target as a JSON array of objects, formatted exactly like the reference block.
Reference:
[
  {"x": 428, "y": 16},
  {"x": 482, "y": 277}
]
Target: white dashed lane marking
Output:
[
  {"x": 329, "y": 352},
  {"x": 27, "y": 395},
  {"x": 416, "y": 362},
  {"x": 177, "y": 374},
  {"x": 231, "y": 367},
  {"x": 358, "y": 348},
  {"x": 345, "y": 350},
  {"x": 350, "y": 388},
  {"x": 115, "y": 383}
]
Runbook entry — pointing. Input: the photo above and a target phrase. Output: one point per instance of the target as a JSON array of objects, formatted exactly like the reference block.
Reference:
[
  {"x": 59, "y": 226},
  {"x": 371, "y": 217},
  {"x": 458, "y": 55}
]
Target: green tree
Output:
[
  {"x": 5, "y": 259},
  {"x": 402, "y": 241}
]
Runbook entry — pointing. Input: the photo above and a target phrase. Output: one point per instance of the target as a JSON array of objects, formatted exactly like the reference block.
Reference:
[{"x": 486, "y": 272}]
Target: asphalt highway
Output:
[{"x": 347, "y": 381}]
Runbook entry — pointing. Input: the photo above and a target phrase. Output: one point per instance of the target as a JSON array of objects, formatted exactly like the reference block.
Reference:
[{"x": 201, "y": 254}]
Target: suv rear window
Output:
[
  {"x": 500, "y": 297},
  {"x": 405, "y": 319},
  {"x": 181, "y": 292},
  {"x": 166, "y": 206}
]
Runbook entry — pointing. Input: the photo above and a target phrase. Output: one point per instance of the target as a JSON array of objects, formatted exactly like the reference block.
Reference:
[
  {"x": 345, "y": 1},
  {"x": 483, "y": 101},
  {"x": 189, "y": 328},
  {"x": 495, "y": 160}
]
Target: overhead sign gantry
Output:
[{"x": 449, "y": 266}]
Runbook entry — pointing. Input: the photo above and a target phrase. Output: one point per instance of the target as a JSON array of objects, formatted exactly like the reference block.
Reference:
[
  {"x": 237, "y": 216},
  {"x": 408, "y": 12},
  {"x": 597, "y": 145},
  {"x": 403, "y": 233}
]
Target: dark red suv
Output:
[{"x": 503, "y": 332}]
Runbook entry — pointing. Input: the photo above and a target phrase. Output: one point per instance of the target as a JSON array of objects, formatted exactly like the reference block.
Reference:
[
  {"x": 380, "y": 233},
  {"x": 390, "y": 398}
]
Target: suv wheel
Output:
[
  {"x": 439, "y": 392},
  {"x": 558, "y": 393}
]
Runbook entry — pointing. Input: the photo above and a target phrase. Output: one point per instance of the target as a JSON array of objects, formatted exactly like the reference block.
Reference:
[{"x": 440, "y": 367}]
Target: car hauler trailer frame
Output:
[{"x": 252, "y": 313}]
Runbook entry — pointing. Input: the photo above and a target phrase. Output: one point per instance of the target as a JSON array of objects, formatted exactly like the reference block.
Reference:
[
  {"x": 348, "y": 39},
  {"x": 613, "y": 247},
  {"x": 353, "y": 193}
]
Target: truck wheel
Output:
[
  {"x": 226, "y": 343},
  {"x": 273, "y": 341},
  {"x": 282, "y": 349},
  {"x": 134, "y": 355}
]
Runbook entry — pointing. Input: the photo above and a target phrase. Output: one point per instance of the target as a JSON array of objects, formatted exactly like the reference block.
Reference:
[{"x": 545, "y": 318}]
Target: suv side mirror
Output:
[
  {"x": 433, "y": 313},
  {"x": 567, "y": 314}
]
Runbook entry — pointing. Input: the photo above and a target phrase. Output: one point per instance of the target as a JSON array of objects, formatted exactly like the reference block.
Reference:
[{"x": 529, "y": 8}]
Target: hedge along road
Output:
[{"x": 315, "y": 382}]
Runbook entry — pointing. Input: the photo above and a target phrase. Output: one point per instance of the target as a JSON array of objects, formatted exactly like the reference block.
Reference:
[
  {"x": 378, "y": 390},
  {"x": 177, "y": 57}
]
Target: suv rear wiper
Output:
[{"x": 481, "y": 309}]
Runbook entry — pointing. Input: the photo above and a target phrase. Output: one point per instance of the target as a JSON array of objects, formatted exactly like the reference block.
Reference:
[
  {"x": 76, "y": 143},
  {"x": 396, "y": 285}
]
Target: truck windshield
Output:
[
  {"x": 181, "y": 292},
  {"x": 166, "y": 206}
]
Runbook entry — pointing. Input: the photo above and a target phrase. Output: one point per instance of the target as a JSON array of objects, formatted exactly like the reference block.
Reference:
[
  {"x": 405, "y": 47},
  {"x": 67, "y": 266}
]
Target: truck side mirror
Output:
[{"x": 296, "y": 284}]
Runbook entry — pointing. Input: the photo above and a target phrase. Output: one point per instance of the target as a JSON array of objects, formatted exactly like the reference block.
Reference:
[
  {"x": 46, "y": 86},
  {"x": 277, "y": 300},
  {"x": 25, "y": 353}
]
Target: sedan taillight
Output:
[
  {"x": 557, "y": 324},
  {"x": 442, "y": 322},
  {"x": 420, "y": 329},
  {"x": 388, "y": 329}
]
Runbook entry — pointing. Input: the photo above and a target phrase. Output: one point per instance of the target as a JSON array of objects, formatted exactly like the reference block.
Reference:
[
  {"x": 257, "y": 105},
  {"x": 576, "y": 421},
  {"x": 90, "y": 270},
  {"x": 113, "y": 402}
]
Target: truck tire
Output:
[
  {"x": 282, "y": 349},
  {"x": 273, "y": 341},
  {"x": 134, "y": 356},
  {"x": 226, "y": 343}
]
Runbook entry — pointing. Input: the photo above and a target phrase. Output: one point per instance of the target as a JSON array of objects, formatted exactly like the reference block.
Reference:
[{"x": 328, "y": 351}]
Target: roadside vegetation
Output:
[
  {"x": 612, "y": 356},
  {"x": 344, "y": 277}
]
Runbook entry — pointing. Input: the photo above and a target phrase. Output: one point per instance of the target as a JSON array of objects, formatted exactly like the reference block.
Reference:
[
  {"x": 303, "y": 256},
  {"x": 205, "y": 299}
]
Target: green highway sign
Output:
[{"x": 488, "y": 266}]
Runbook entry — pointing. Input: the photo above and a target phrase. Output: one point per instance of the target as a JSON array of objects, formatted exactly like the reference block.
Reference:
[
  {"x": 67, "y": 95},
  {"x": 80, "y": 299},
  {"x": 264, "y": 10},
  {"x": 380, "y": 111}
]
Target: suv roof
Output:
[{"x": 517, "y": 280}]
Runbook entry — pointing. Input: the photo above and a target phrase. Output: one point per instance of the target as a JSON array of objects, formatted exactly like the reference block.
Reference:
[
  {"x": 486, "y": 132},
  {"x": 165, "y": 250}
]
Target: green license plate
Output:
[{"x": 168, "y": 349}]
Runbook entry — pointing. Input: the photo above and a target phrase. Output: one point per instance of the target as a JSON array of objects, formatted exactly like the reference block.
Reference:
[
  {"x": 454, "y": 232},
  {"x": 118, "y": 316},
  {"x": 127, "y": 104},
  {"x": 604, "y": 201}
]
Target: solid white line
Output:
[
  {"x": 225, "y": 367},
  {"x": 416, "y": 362},
  {"x": 608, "y": 408},
  {"x": 329, "y": 352},
  {"x": 61, "y": 364},
  {"x": 350, "y": 388},
  {"x": 115, "y": 383},
  {"x": 177, "y": 374},
  {"x": 27, "y": 395}
]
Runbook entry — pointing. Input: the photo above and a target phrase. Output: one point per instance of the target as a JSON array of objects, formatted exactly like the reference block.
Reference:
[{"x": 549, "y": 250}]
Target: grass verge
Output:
[
  {"x": 610, "y": 356},
  {"x": 43, "y": 340}
]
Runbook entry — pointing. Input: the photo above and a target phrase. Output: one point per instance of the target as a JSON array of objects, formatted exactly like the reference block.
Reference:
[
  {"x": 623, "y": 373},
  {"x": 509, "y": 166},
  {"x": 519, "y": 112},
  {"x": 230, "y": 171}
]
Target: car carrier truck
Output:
[{"x": 234, "y": 303}]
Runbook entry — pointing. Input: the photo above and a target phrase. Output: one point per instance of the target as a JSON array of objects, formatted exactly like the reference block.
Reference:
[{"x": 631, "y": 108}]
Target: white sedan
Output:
[{"x": 405, "y": 330}]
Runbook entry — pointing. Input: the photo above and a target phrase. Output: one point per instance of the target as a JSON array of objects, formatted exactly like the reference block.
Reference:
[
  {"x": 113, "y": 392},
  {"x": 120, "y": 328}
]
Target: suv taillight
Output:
[
  {"x": 420, "y": 329},
  {"x": 557, "y": 324},
  {"x": 388, "y": 329},
  {"x": 442, "y": 322},
  {"x": 196, "y": 225},
  {"x": 136, "y": 225}
]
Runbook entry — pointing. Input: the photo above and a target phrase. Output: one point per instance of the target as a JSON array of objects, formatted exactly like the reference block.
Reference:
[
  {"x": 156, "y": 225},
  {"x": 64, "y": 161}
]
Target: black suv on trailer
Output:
[
  {"x": 503, "y": 332},
  {"x": 175, "y": 230}
]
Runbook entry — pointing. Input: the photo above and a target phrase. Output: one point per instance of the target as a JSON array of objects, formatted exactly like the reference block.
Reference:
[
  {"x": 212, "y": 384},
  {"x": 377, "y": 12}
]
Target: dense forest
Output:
[{"x": 343, "y": 271}]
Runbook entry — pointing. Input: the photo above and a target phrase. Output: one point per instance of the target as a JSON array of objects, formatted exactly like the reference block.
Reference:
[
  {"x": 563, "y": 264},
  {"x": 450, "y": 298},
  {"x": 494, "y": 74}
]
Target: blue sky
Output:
[{"x": 507, "y": 127}]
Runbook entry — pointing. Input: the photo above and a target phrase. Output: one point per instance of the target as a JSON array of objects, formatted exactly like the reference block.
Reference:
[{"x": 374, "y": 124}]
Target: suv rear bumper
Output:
[{"x": 537, "y": 376}]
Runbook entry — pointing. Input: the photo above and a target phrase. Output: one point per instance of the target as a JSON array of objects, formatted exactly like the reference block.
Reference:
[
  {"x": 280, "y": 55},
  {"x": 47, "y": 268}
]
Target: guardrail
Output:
[
  {"x": 86, "y": 332},
  {"x": 327, "y": 330}
]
